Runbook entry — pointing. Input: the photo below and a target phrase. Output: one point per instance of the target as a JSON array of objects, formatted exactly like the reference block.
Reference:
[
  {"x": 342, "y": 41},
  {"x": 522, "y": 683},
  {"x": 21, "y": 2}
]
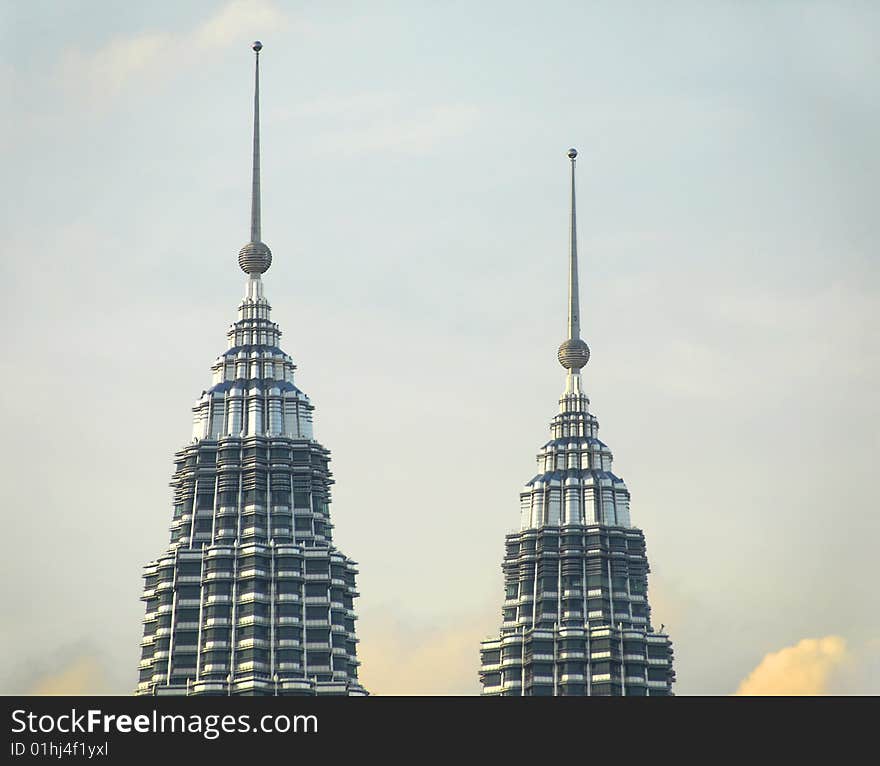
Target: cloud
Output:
[
  {"x": 804, "y": 669},
  {"x": 106, "y": 71},
  {"x": 227, "y": 26},
  {"x": 113, "y": 65},
  {"x": 862, "y": 675},
  {"x": 83, "y": 675},
  {"x": 400, "y": 660}
]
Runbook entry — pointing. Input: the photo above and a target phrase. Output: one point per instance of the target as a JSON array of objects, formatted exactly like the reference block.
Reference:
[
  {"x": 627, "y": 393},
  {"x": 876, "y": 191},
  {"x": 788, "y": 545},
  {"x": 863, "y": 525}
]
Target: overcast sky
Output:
[{"x": 415, "y": 197}]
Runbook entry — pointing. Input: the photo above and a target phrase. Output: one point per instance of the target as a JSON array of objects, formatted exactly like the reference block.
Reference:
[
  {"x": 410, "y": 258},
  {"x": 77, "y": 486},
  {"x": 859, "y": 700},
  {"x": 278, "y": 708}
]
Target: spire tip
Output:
[
  {"x": 572, "y": 153},
  {"x": 257, "y": 46}
]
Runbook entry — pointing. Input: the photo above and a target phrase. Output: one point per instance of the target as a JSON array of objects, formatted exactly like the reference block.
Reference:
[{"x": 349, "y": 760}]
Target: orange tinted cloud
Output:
[
  {"x": 82, "y": 676},
  {"x": 399, "y": 660},
  {"x": 804, "y": 669}
]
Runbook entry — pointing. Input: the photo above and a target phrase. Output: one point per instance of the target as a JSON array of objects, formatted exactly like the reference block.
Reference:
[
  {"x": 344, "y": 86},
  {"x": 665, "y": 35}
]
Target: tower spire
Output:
[
  {"x": 255, "y": 185},
  {"x": 574, "y": 312},
  {"x": 574, "y": 352},
  {"x": 255, "y": 257}
]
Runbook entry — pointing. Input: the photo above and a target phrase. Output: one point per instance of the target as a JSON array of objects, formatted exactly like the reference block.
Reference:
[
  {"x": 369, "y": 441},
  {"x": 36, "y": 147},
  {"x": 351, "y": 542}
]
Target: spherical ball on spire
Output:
[
  {"x": 257, "y": 46},
  {"x": 255, "y": 258},
  {"x": 574, "y": 354},
  {"x": 572, "y": 153}
]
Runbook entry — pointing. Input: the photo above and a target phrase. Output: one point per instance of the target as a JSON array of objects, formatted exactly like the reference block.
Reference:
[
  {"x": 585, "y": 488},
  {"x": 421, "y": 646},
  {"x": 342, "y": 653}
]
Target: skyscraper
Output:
[
  {"x": 576, "y": 619},
  {"x": 251, "y": 596}
]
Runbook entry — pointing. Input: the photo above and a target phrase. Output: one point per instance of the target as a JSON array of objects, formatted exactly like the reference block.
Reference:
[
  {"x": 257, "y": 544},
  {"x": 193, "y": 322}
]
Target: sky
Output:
[{"x": 415, "y": 197}]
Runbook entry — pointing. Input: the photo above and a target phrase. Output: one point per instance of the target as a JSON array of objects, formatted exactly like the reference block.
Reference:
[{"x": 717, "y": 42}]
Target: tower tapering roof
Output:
[
  {"x": 255, "y": 257},
  {"x": 574, "y": 352}
]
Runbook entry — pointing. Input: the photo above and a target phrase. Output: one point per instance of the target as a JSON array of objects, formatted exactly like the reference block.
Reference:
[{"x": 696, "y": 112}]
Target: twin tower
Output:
[{"x": 252, "y": 597}]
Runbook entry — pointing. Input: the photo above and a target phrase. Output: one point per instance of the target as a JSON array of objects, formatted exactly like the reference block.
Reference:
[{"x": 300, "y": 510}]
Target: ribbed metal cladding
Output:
[
  {"x": 255, "y": 258},
  {"x": 573, "y": 354}
]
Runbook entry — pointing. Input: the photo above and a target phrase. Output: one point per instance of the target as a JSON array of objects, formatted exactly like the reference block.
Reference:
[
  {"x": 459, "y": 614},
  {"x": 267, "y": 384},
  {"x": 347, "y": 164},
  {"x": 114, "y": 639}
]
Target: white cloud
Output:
[
  {"x": 106, "y": 71},
  {"x": 228, "y": 26}
]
